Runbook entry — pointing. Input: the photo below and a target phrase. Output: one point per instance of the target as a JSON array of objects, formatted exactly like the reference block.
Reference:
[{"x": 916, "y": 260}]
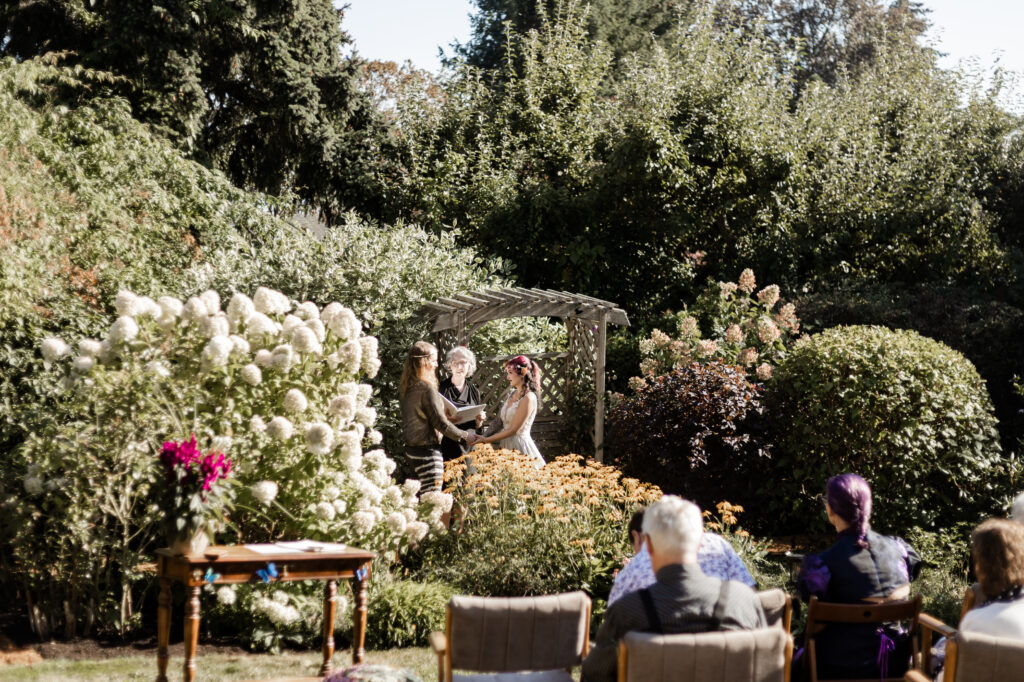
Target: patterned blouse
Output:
[{"x": 715, "y": 556}]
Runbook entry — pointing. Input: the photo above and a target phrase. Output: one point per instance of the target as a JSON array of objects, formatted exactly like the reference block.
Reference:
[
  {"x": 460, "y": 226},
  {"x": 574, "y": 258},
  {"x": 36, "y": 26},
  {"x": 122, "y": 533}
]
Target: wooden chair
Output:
[
  {"x": 820, "y": 614},
  {"x": 763, "y": 655},
  {"x": 974, "y": 657},
  {"x": 973, "y": 596},
  {"x": 540, "y": 637},
  {"x": 777, "y": 607}
]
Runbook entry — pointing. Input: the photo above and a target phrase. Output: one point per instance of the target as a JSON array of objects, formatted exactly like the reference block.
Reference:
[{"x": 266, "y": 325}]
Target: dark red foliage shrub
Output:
[{"x": 696, "y": 432}]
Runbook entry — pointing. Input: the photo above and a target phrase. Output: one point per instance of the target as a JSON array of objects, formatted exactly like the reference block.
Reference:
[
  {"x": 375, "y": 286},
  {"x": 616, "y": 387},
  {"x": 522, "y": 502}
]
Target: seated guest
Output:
[
  {"x": 715, "y": 556},
  {"x": 862, "y": 566},
  {"x": 682, "y": 600},
  {"x": 997, "y": 547}
]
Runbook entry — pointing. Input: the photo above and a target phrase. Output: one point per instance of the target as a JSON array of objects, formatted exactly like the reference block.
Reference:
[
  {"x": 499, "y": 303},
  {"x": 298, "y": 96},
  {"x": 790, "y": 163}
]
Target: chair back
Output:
[
  {"x": 777, "y": 607},
  {"x": 506, "y": 634},
  {"x": 974, "y": 657},
  {"x": 973, "y": 596},
  {"x": 762, "y": 655},
  {"x": 820, "y": 614}
]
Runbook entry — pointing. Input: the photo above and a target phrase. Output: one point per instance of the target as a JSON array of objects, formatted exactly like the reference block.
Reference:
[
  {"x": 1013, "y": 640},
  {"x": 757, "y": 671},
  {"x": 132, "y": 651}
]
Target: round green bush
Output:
[{"x": 908, "y": 413}]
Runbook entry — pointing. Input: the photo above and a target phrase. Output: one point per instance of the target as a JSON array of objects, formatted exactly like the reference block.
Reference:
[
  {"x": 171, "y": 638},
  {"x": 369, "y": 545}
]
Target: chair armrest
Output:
[
  {"x": 438, "y": 642},
  {"x": 935, "y": 625},
  {"x": 915, "y": 676}
]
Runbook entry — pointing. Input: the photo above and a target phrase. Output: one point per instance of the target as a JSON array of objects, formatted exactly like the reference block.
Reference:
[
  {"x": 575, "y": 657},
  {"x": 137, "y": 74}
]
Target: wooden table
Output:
[{"x": 239, "y": 564}]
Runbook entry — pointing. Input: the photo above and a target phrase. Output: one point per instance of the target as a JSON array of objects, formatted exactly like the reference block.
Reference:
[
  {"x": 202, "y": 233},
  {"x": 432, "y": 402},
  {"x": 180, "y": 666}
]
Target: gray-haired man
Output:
[{"x": 682, "y": 600}]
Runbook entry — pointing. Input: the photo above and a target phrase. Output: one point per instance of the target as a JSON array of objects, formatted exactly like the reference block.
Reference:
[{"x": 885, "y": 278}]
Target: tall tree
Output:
[
  {"x": 826, "y": 34},
  {"x": 829, "y": 35},
  {"x": 625, "y": 27},
  {"x": 257, "y": 88}
]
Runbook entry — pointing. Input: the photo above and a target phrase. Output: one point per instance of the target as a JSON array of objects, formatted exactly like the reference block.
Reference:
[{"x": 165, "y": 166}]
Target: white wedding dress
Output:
[{"x": 521, "y": 440}]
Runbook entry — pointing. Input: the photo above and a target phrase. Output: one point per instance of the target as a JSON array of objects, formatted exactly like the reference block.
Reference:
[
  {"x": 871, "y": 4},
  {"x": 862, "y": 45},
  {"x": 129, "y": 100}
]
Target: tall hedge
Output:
[
  {"x": 92, "y": 202},
  {"x": 704, "y": 156},
  {"x": 906, "y": 412}
]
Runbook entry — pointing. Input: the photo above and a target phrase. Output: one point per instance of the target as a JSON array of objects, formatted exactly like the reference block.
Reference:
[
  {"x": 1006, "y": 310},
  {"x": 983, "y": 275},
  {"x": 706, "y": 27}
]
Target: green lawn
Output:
[{"x": 214, "y": 667}]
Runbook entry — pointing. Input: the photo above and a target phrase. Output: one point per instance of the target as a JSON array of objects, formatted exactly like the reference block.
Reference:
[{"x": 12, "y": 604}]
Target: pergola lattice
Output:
[{"x": 565, "y": 375}]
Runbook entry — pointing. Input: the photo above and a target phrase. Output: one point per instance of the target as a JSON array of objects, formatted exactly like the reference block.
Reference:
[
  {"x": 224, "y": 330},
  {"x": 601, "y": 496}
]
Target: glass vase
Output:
[{"x": 191, "y": 544}]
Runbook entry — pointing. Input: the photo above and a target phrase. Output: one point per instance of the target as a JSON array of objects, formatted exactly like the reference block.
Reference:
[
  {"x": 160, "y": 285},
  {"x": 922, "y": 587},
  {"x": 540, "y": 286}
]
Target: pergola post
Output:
[{"x": 602, "y": 340}]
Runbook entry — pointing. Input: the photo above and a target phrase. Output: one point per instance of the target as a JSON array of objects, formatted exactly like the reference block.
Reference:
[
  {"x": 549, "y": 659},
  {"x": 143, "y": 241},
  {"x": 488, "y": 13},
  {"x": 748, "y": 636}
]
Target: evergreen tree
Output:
[
  {"x": 625, "y": 27},
  {"x": 260, "y": 90}
]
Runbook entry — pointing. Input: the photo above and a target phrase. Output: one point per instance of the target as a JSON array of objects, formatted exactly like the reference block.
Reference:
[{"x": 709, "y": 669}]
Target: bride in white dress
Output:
[{"x": 515, "y": 418}]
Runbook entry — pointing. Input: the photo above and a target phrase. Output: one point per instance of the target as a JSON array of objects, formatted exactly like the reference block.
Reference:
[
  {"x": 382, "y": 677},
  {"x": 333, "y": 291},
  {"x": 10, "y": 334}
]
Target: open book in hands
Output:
[{"x": 460, "y": 415}]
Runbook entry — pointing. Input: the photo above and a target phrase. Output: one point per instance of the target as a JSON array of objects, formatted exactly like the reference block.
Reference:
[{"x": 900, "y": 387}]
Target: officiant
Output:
[{"x": 461, "y": 363}]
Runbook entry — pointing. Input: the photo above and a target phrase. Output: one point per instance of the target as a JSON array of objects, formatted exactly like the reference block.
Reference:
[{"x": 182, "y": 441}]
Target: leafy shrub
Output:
[
  {"x": 986, "y": 329},
  {"x": 526, "y": 531},
  {"x": 266, "y": 618},
  {"x": 293, "y": 420},
  {"x": 403, "y": 613},
  {"x": 947, "y": 566},
  {"x": 695, "y": 431},
  {"x": 898, "y": 171},
  {"x": 906, "y": 412}
]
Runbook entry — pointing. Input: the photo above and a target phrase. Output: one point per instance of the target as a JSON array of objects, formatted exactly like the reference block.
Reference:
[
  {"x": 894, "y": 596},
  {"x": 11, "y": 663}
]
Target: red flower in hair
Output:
[{"x": 519, "y": 361}]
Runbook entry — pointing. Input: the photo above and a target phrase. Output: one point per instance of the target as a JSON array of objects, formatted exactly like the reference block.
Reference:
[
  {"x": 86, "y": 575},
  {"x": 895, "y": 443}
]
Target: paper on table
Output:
[
  {"x": 312, "y": 546},
  {"x": 268, "y": 548}
]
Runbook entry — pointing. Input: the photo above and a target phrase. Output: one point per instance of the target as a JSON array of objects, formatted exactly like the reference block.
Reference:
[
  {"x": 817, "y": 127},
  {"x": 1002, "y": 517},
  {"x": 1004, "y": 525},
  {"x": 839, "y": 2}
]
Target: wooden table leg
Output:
[
  {"x": 191, "y": 633},
  {"x": 163, "y": 629},
  {"x": 330, "y": 605},
  {"x": 359, "y": 615}
]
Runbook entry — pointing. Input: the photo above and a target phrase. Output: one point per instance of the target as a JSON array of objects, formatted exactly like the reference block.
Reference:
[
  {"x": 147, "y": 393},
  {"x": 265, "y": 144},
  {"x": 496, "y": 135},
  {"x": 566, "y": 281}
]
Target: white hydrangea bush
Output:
[{"x": 277, "y": 386}]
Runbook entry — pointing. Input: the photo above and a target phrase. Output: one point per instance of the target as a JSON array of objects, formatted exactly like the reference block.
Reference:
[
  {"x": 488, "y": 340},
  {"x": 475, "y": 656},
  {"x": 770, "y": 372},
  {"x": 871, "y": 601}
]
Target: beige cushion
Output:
[
  {"x": 734, "y": 656},
  {"x": 544, "y": 676},
  {"x": 773, "y": 603},
  {"x": 509, "y": 634},
  {"x": 984, "y": 658}
]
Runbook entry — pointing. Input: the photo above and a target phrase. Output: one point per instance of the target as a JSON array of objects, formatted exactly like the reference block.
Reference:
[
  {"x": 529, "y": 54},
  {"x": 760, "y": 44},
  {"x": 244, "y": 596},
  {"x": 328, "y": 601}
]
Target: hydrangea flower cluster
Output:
[
  {"x": 276, "y": 386},
  {"x": 748, "y": 332}
]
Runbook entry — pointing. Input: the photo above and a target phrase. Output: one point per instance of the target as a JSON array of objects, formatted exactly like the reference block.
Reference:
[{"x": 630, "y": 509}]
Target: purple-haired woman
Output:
[{"x": 861, "y": 567}]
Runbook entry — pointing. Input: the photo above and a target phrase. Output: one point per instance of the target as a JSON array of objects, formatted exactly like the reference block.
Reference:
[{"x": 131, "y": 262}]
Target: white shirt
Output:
[
  {"x": 999, "y": 619},
  {"x": 715, "y": 556}
]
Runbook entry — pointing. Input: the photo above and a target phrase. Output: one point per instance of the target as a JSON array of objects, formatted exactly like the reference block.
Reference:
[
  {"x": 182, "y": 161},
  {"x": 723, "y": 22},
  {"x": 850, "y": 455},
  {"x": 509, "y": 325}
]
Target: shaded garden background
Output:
[{"x": 638, "y": 156}]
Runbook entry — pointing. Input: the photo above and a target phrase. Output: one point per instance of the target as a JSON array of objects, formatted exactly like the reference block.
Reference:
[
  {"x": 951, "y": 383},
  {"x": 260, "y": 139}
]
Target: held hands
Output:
[{"x": 473, "y": 438}]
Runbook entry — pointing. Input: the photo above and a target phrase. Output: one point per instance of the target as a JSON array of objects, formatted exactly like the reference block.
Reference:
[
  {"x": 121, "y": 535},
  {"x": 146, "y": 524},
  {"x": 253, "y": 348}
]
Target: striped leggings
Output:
[{"x": 428, "y": 464}]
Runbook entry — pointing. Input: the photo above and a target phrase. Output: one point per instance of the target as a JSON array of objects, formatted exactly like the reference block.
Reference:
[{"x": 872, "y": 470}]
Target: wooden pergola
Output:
[{"x": 566, "y": 376}]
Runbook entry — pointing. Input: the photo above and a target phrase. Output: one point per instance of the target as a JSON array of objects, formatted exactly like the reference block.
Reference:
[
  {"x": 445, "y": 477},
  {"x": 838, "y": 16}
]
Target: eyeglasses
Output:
[{"x": 456, "y": 363}]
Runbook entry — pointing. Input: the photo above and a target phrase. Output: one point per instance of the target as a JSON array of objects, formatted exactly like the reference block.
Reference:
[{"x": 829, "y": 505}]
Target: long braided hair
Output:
[{"x": 849, "y": 497}]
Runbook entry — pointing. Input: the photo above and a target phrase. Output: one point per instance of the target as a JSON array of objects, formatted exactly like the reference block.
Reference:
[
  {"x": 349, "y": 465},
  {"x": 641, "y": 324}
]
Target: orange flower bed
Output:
[{"x": 565, "y": 485}]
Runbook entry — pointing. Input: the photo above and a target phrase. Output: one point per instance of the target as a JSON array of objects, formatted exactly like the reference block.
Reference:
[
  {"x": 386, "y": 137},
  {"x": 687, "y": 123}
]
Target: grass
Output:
[{"x": 215, "y": 666}]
